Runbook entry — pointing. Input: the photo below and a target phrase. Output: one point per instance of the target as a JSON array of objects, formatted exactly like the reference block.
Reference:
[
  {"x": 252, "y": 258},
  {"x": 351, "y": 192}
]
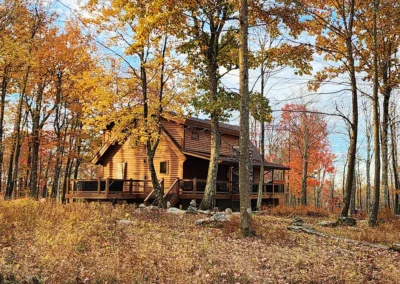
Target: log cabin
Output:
[{"x": 181, "y": 162}]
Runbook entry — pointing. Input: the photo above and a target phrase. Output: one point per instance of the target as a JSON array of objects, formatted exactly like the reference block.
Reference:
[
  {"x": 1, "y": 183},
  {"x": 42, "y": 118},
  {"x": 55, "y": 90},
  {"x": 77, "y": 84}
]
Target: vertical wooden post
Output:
[
  {"x": 195, "y": 187},
  {"x": 130, "y": 185},
  {"x": 107, "y": 186},
  {"x": 99, "y": 185},
  {"x": 73, "y": 186}
]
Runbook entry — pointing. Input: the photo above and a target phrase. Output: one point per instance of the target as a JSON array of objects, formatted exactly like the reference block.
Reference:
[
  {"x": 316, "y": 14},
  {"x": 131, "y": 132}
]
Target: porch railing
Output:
[
  {"x": 226, "y": 187},
  {"x": 108, "y": 186}
]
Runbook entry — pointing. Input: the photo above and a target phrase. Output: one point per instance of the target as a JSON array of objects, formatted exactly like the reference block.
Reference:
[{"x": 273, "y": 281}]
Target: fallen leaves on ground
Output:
[{"x": 84, "y": 243}]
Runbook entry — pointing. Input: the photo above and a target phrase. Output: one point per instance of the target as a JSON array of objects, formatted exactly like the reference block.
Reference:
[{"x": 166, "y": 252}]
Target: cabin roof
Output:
[{"x": 205, "y": 124}]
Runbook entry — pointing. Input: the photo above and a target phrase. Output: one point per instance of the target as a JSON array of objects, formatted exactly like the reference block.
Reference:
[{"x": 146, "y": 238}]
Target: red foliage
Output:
[{"x": 307, "y": 138}]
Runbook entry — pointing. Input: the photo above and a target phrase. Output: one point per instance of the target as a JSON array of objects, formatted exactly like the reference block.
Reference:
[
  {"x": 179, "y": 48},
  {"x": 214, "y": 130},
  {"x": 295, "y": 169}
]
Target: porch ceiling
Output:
[{"x": 232, "y": 160}]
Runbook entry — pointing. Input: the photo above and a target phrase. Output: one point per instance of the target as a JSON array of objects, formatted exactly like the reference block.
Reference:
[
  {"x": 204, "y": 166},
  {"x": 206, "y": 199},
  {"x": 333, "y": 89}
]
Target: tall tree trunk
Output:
[
  {"x": 353, "y": 196},
  {"x": 304, "y": 181},
  {"x": 153, "y": 175},
  {"x": 368, "y": 168},
  {"x": 12, "y": 175},
  {"x": 244, "y": 170},
  {"x": 385, "y": 151},
  {"x": 332, "y": 192},
  {"x": 150, "y": 149},
  {"x": 211, "y": 184},
  {"x": 262, "y": 146},
  {"x": 373, "y": 216},
  {"x": 354, "y": 123},
  {"x": 4, "y": 86},
  {"x": 35, "y": 144},
  {"x": 46, "y": 176},
  {"x": 393, "y": 132}
]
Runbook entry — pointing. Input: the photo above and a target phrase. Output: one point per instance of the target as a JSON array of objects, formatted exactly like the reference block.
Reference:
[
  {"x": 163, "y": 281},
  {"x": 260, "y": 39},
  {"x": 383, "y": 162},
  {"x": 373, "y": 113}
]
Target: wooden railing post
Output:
[
  {"x": 73, "y": 186},
  {"x": 67, "y": 186},
  {"x": 99, "y": 185},
  {"x": 194, "y": 187},
  {"x": 130, "y": 185},
  {"x": 107, "y": 186}
]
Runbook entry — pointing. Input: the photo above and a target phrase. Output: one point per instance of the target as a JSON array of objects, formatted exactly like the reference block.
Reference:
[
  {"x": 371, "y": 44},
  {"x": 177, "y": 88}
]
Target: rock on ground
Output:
[
  {"x": 347, "y": 221},
  {"x": 330, "y": 224},
  {"x": 175, "y": 210},
  {"x": 297, "y": 221}
]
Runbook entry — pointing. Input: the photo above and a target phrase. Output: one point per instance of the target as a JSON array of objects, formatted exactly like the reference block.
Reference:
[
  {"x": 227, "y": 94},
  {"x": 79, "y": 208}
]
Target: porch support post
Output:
[
  {"x": 195, "y": 187},
  {"x": 99, "y": 185},
  {"x": 107, "y": 186}
]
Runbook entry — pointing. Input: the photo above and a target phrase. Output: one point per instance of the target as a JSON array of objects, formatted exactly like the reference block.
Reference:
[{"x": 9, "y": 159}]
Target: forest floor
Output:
[{"x": 85, "y": 243}]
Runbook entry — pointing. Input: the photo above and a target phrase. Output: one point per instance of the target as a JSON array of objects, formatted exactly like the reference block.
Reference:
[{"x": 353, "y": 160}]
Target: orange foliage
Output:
[{"x": 307, "y": 139}]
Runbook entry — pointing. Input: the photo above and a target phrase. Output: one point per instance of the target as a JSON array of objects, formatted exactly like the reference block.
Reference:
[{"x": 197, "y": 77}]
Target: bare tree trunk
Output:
[
  {"x": 304, "y": 181},
  {"x": 262, "y": 147},
  {"x": 354, "y": 122},
  {"x": 12, "y": 175},
  {"x": 353, "y": 197},
  {"x": 332, "y": 192},
  {"x": 373, "y": 216},
  {"x": 395, "y": 167},
  {"x": 385, "y": 151},
  {"x": 4, "y": 86},
  {"x": 35, "y": 144},
  {"x": 261, "y": 182},
  {"x": 368, "y": 134},
  {"x": 46, "y": 176},
  {"x": 244, "y": 170},
  {"x": 211, "y": 184}
]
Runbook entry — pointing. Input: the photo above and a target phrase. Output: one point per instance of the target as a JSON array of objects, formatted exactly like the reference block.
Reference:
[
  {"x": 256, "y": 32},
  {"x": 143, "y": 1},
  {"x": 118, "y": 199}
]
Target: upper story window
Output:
[{"x": 195, "y": 136}]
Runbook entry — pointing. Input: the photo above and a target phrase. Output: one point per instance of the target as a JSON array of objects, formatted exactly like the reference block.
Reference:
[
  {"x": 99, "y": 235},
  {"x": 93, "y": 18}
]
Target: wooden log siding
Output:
[
  {"x": 136, "y": 162},
  {"x": 203, "y": 144}
]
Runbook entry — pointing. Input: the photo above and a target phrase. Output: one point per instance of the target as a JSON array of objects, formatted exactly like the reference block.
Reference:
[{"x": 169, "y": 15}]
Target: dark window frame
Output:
[{"x": 164, "y": 169}]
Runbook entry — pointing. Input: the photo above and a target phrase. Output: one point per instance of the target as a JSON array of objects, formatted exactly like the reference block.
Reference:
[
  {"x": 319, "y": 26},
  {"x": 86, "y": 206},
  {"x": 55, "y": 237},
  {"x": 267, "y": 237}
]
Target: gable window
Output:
[
  {"x": 163, "y": 167},
  {"x": 195, "y": 136}
]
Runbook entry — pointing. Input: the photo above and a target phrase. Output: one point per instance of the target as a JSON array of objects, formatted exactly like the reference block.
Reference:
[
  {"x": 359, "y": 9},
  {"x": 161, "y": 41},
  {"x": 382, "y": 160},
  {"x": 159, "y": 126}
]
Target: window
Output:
[
  {"x": 163, "y": 167},
  {"x": 195, "y": 136},
  {"x": 121, "y": 170}
]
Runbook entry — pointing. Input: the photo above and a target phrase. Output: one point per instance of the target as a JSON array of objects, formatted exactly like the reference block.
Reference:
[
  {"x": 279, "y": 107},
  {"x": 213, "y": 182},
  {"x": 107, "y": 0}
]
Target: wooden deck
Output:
[
  {"x": 181, "y": 189},
  {"x": 109, "y": 189}
]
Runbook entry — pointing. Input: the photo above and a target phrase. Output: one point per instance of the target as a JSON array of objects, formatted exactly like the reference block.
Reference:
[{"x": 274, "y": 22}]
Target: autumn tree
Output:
[
  {"x": 332, "y": 24},
  {"x": 310, "y": 154},
  {"x": 211, "y": 44},
  {"x": 150, "y": 84}
]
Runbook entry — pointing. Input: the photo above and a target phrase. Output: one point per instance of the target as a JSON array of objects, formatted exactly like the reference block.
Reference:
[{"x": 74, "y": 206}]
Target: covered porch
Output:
[{"x": 195, "y": 170}]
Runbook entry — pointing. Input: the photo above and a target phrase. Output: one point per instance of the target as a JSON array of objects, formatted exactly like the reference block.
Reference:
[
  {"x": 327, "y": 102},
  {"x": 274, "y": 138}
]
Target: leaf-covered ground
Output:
[{"x": 80, "y": 243}]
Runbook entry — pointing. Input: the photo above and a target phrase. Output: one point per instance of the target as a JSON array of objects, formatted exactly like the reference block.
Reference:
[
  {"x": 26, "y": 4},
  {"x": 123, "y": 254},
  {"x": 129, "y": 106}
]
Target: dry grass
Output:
[
  {"x": 291, "y": 211},
  {"x": 387, "y": 232},
  {"x": 83, "y": 243}
]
